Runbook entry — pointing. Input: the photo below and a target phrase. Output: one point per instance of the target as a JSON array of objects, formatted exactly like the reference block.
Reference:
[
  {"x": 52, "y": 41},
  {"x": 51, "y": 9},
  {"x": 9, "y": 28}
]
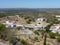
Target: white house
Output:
[
  {"x": 58, "y": 17},
  {"x": 37, "y": 27},
  {"x": 55, "y": 28},
  {"x": 9, "y": 23},
  {"x": 29, "y": 25}
]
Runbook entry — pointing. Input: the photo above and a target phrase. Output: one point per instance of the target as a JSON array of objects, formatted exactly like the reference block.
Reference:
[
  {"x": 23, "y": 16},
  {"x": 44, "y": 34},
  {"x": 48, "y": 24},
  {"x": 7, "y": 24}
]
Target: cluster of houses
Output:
[
  {"x": 40, "y": 24},
  {"x": 13, "y": 24}
]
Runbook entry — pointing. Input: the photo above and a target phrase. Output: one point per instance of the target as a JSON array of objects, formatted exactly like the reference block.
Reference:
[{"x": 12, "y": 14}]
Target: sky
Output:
[{"x": 29, "y": 3}]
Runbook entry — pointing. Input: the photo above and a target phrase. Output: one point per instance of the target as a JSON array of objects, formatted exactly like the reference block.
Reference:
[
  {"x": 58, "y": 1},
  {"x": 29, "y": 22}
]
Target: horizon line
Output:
[{"x": 27, "y": 8}]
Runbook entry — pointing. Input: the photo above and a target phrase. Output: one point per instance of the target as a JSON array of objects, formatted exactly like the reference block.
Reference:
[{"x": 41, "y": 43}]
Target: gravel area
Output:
[{"x": 1, "y": 43}]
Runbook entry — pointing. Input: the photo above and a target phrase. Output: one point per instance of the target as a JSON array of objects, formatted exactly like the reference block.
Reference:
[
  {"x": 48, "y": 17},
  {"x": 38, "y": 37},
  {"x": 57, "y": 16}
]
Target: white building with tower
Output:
[{"x": 40, "y": 20}]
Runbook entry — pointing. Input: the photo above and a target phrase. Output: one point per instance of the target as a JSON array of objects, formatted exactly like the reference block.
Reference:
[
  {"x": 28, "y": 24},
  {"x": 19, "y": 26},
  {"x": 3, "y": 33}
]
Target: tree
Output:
[
  {"x": 45, "y": 39},
  {"x": 2, "y": 31},
  {"x": 42, "y": 33},
  {"x": 46, "y": 30},
  {"x": 48, "y": 27},
  {"x": 2, "y": 27}
]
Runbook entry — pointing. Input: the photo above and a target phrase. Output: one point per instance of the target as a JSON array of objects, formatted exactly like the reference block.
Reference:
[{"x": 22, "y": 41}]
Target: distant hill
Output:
[{"x": 36, "y": 12}]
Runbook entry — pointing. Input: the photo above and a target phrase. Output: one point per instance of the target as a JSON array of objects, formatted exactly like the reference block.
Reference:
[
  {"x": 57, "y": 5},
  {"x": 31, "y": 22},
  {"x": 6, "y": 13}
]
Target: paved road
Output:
[{"x": 1, "y": 43}]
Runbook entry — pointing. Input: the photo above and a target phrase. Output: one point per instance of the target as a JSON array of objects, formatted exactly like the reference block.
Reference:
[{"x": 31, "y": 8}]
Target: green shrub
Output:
[
  {"x": 36, "y": 32},
  {"x": 58, "y": 38},
  {"x": 28, "y": 21},
  {"x": 25, "y": 42},
  {"x": 36, "y": 39},
  {"x": 52, "y": 35},
  {"x": 18, "y": 28},
  {"x": 26, "y": 18},
  {"x": 3, "y": 31},
  {"x": 11, "y": 39}
]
